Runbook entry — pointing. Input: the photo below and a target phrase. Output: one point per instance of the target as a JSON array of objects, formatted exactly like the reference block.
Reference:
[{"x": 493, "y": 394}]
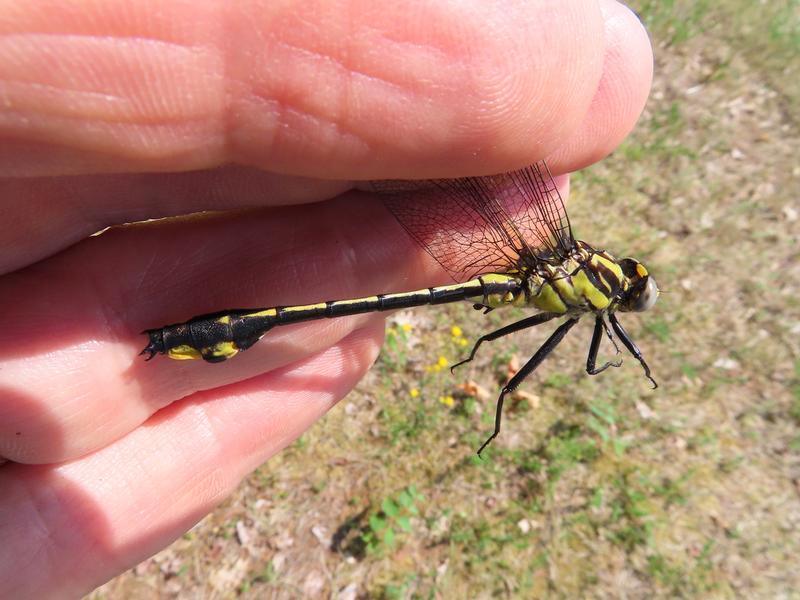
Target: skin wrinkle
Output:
[
  {"x": 36, "y": 521},
  {"x": 440, "y": 44},
  {"x": 144, "y": 274},
  {"x": 400, "y": 47},
  {"x": 303, "y": 106},
  {"x": 345, "y": 62},
  {"x": 613, "y": 87},
  {"x": 340, "y": 122},
  {"x": 144, "y": 70},
  {"x": 347, "y": 260},
  {"x": 114, "y": 323},
  {"x": 269, "y": 130},
  {"x": 171, "y": 276},
  {"x": 32, "y": 158},
  {"x": 11, "y": 446},
  {"x": 66, "y": 110},
  {"x": 228, "y": 86},
  {"x": 82, "y": 215},
  {"x": 112, "y": 18},
  {"x": 126, "y": 109},
  {"x": 93, "y": 126},
  {"x": 349, "y": 110},
  {"x": 291, "y": 244},
  {"x": 104, "y": 137},
  {"x": 343, "y": 138}
]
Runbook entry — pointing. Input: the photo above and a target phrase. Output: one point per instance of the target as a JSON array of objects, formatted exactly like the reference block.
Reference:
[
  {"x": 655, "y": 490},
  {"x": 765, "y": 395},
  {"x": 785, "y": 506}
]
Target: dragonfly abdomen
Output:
[{"x": 219, "y": 336}]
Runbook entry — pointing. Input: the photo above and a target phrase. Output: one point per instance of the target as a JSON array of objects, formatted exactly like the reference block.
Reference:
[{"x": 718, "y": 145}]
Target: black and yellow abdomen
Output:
[{"x": 219, "y": 336}]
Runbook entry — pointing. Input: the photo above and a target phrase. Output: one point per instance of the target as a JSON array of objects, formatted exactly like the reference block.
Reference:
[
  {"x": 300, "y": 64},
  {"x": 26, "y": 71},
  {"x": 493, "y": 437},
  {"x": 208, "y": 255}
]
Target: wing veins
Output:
[{"x": 464, "y": 223}]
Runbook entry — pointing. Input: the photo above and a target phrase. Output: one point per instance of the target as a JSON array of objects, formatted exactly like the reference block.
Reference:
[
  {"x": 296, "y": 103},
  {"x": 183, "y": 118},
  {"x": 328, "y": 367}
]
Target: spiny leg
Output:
[
  {"x": 526, "y": 370},
  {"x": 508, "y": 329},
  {"x": 610, "y": 336},
  {"x": 628, "y": 343},
  {"x": 591, "y": 361}
]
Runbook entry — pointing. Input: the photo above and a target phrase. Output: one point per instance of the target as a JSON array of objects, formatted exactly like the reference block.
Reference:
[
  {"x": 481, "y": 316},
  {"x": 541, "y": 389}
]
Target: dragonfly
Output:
[{"x": 506, "y": 241}]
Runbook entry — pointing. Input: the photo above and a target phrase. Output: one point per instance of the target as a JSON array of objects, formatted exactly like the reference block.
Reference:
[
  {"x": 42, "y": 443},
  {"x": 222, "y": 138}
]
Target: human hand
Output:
[{"x": 113, "y": 113}]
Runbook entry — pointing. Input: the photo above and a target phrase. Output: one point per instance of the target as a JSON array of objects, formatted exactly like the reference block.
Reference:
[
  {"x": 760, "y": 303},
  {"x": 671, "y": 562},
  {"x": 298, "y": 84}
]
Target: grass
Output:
[{"x": 598, "y": 487}]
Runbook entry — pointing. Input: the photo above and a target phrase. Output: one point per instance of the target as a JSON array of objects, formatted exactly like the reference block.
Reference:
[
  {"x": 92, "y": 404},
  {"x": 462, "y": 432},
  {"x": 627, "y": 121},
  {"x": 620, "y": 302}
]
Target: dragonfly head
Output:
[{"x": 642, "y": 291}]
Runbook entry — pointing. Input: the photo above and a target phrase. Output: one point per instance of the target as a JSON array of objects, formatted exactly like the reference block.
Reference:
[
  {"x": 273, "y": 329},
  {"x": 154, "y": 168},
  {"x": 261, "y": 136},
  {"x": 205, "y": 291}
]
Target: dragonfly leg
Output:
[
  {"x": 591, "y": 361},
  {"x": 526, "y": 370},
  {"x": 632, "y": 348},
  {"x": 519, "y": 325},
  {"x": 486, "y": 309},
  {"x": 610, "y": 336}
]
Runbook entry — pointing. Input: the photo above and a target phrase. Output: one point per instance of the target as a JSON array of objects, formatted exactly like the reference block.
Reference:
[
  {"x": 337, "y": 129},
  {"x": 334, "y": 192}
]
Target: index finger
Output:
[{"x": 347, "y": 89}]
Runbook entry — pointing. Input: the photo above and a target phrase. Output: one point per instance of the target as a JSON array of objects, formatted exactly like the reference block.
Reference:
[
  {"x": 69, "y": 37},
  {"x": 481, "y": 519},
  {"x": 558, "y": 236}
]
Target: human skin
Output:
[{"x": 121, "y": 111}]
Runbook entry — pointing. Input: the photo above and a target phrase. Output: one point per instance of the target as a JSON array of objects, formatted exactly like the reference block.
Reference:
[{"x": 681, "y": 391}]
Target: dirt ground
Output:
[{"x": 598, "y": 487}]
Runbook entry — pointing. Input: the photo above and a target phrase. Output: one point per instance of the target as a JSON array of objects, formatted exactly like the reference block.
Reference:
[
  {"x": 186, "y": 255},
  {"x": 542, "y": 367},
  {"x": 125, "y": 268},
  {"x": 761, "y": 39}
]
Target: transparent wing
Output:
[{"x": 475, "y": 225}]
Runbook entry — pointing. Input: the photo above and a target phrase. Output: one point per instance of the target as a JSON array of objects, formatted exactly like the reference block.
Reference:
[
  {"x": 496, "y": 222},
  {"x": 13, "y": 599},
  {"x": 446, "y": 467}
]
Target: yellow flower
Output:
[
  {"x": 456, "y": 332},
  {"x": 413, "y": 392},
  {"x": 443, "y": 362},
  {"x": 447, "y": 400},
  {"x": 406, "y": 327}
]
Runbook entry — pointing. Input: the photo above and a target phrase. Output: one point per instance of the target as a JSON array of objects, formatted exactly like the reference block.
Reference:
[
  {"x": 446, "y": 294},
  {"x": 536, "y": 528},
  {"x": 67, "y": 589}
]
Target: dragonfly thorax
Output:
[{"x": 591, "y": 280}]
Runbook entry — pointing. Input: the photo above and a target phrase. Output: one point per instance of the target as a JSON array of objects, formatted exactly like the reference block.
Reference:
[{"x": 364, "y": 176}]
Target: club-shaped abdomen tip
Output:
[{"x": 155, "y": 345}]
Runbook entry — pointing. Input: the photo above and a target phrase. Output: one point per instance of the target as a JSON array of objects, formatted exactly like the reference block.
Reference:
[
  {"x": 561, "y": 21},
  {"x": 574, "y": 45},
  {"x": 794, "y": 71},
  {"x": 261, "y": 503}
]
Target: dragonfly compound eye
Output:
[
  {"x": 646, "y": 297},
  {"x": 642, "y": 291}
]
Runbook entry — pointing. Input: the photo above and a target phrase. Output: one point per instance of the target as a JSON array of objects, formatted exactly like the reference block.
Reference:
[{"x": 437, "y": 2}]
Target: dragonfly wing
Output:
[{"x": 475, "y": 225}]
